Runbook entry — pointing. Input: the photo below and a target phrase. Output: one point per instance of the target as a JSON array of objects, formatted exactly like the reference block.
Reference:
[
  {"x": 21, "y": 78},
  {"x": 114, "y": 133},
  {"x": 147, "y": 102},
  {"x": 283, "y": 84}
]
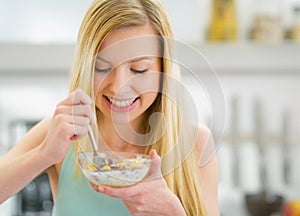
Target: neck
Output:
[{"x": 118, "y": 137}]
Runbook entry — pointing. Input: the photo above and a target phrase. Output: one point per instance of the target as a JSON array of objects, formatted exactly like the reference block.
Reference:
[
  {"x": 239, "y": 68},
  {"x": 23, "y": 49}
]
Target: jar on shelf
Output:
[
  {"x": 295, "y": 31},
  {"x": 267, "y": 23}
]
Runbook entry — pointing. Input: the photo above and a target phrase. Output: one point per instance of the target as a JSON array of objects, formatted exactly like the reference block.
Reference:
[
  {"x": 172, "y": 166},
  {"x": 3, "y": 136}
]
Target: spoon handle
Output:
[{"x": 92, "y": 138}]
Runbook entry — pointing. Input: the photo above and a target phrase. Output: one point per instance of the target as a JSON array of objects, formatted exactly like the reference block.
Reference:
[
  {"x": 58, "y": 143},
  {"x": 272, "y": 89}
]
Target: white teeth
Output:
[{"x": 121, "y": 104}]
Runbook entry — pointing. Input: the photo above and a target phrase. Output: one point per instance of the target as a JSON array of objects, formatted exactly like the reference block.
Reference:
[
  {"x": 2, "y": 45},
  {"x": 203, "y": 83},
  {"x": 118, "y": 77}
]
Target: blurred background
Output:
[{"x": 252, "y": 45}]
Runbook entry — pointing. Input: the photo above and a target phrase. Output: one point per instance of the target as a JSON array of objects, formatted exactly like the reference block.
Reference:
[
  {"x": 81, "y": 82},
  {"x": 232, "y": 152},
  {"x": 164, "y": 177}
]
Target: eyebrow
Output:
[
  {"x": 141, "y": 58},
  {"x": 102, "y": 59},
  {"x": 130, "y": 61}
]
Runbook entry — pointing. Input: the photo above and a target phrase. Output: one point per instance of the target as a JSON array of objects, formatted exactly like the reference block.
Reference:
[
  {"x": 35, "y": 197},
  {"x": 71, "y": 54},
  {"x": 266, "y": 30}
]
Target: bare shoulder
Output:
[
  {"x": 205, "y": 146},
  {"x": 208, "y": 165},
  {"x": 203, "y": 138},
  {"x": 206, "y": 150}
]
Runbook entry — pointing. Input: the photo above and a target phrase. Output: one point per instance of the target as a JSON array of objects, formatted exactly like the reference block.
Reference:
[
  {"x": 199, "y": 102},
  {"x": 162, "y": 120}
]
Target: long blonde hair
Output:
[{"x": 179, "y": 162}]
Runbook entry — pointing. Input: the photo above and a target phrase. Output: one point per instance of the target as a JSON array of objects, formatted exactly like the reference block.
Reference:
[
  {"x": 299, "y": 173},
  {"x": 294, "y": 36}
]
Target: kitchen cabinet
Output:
[
  {"x": 35, "y": 59},
  {"x": 226, "y": 58},
  {"x": 253, "y": 58}
]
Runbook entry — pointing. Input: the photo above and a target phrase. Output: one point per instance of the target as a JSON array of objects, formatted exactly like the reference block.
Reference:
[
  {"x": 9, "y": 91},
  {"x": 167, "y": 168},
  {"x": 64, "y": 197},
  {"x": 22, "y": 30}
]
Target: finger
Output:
[
  {"x": 84, "y": 110},
  {"x": 130, "y": 207},
  {"x": 79, "y": 121},
  {"x": 71, "y": 129},
  {"x": 95, "y": 187},
  {"x": 77, "y": 97},
  {"x": 155, "y": 167},
  {"x": 71, "y": 120},
  {"x": 79, "y": 131},
  {"x": 122, "y": 193},
  {"x": 76, "y": 110}
]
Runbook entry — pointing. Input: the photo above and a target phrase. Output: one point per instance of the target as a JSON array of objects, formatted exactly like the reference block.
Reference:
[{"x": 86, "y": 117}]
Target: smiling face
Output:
[{"x": 127, "y": 74}]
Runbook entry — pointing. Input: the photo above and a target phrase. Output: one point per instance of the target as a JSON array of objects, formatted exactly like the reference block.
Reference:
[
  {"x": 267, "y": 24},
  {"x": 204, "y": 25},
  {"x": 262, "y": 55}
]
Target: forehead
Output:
[
  {"x": 126, "y": 33},
  {"x": 129, "y": 43}
]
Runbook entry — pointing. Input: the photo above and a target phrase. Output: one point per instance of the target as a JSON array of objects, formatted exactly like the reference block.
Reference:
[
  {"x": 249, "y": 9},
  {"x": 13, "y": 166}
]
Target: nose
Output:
[{"x": 119, "y": 78}]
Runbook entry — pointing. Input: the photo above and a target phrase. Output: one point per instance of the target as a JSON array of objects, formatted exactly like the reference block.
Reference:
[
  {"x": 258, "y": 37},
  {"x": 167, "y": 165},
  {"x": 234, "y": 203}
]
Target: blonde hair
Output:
[{"x": 180, "y": 170}]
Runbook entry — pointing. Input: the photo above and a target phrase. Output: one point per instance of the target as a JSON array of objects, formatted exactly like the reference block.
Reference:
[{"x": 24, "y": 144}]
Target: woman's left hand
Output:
[{"x": 149, "y": 197}]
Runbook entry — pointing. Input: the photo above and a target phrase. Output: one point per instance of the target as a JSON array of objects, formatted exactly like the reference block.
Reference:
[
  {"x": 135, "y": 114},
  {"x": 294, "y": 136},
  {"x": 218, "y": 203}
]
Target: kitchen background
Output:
[{"x": 253, "y": 46}]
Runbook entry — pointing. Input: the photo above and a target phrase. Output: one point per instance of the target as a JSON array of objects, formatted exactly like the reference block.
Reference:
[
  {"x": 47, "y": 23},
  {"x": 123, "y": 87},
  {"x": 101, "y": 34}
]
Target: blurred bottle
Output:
[
  {"x": 223, "y": 23},
  {"x": 267, "y": 24},
  {"x": 292, "y": 208},
  {"x": 295, "y": 31}
]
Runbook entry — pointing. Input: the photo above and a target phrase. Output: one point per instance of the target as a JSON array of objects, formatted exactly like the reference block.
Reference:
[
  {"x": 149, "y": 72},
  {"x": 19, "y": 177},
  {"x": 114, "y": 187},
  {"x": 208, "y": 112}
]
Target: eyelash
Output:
[
  {"x": 106, "y": 70},
  {"x": 139, "y": 71}
]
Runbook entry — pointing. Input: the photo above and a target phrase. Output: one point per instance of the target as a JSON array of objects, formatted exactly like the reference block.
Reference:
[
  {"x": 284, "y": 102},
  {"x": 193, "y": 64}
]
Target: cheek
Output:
[
  {"x": 148, "y": 89},
  {"x": 98, "y": 83},
  {"x": 147, "y": 84},
  {"x": 98, "y": 88},
  {"x": 149, "y": 98}
]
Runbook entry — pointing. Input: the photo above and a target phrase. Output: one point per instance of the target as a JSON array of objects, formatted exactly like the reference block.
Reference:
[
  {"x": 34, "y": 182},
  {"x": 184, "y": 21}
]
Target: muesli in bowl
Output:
[{"x": 116, "y": 169}]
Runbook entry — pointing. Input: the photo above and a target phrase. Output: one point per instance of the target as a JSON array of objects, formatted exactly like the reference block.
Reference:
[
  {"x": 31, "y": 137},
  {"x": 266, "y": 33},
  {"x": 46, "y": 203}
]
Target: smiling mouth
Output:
[{"x": 121, "y": 103}]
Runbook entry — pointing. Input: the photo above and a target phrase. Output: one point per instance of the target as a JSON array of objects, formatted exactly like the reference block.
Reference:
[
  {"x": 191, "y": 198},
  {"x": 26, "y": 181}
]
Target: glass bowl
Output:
[{"x": 116, "y": 169}]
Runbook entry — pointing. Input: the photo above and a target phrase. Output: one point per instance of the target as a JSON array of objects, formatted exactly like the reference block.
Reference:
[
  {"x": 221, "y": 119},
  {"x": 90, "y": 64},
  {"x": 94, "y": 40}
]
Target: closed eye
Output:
[
  {"x": 104, "y": 70},
  {"x": 138, "y": 71}
]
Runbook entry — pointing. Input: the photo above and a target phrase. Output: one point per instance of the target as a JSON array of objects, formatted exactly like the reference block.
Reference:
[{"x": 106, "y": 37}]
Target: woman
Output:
[{"x": 122, "y": 47}]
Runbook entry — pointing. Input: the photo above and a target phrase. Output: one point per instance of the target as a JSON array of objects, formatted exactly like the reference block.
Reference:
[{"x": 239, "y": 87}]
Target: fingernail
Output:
[
  {"x": 100, "y": 189},
  {"x": 153, "y": 153}
]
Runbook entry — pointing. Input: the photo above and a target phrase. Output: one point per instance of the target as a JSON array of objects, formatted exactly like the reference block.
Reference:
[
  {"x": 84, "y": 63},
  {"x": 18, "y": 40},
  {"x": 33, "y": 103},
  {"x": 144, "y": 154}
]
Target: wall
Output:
[
  {"x": 269, "y": 79},
  {"x": 60, "y": 22},
  {"x": 27, "y": 98}
]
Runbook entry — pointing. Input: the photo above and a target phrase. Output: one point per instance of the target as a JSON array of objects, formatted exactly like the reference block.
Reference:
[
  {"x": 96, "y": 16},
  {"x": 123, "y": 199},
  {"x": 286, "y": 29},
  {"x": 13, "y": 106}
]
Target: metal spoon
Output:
[
  {"x": 93, "y": 140},
  {"x": 98, "y": 159}
]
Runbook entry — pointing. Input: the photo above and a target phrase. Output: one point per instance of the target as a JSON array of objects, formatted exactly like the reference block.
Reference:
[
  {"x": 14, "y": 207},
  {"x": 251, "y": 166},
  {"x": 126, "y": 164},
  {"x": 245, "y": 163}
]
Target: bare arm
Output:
[
  {"x": 208, "y": 171},
  {"x": 45, "y": 144},
  {"x": 23, "y": 162}
]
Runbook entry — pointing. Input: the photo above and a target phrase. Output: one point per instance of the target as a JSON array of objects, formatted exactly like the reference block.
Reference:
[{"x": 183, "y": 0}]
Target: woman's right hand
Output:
[{"x": 69, "y": 122}]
